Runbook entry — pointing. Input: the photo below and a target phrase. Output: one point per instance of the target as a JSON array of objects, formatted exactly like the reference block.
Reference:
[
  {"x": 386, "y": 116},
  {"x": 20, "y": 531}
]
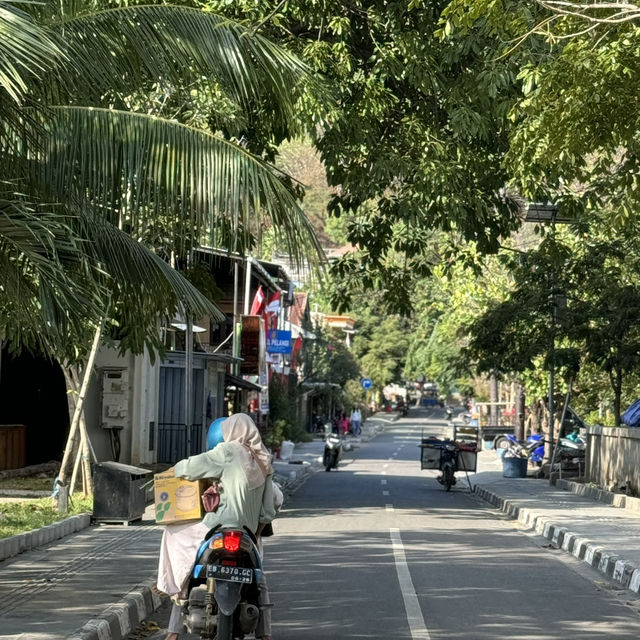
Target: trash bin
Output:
[
  {"x": 286, "y": 449},
  {"x": 514, "y": 467},
  {"x": 118, "y": 492}
]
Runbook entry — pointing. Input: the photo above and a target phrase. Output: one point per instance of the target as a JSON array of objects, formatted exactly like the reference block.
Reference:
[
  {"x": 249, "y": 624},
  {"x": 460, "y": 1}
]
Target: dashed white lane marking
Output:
[
  {"x": 383, "y": 482},
  {"x": 388, "y": 507},
  {"x": 385, "y": 493},
  {"x": 415, "y": 619}
]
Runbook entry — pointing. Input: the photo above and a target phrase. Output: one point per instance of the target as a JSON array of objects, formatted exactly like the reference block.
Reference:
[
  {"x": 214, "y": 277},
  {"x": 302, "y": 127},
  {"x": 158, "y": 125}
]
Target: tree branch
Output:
[{"x": 618, "y": 12}]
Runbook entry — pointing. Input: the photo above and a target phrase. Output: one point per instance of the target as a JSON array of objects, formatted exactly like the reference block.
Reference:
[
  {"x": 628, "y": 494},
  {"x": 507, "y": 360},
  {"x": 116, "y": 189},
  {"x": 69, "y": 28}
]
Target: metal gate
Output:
[{"x": 172, "y": 431}]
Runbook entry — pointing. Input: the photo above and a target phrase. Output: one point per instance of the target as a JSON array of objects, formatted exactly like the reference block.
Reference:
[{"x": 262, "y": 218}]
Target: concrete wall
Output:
[{"x": 613, "y": 457}]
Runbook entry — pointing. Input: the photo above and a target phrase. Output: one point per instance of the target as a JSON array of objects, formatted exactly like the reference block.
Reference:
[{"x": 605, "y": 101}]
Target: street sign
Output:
[
  {"x": 366, "y": 383},
  {"x": 278, "y": 341}
]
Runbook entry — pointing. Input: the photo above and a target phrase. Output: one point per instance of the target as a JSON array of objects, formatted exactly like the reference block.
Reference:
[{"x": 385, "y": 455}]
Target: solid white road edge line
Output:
[{"x": 415, "y": 619}]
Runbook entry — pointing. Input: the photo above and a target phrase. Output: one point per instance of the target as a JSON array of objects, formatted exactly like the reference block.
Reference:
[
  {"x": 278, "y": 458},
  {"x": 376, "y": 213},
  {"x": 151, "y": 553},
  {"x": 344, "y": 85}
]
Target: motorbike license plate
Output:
[{"x": 230, "y": 574}]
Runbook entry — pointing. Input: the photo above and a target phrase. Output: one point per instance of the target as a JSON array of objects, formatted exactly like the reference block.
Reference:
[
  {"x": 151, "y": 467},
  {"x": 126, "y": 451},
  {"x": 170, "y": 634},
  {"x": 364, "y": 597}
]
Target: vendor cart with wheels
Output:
[{"x": 450, "y": 456}]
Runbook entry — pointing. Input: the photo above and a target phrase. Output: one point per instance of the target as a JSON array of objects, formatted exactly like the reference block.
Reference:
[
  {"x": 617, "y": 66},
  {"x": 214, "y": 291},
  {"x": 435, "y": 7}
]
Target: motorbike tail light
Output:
[{"x": 232, "y": 540}]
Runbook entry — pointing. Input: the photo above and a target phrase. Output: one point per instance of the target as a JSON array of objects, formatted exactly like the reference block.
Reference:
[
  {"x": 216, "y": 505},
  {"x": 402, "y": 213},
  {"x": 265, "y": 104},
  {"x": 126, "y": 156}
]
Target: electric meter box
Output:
[{"x": 115, "y": 398}]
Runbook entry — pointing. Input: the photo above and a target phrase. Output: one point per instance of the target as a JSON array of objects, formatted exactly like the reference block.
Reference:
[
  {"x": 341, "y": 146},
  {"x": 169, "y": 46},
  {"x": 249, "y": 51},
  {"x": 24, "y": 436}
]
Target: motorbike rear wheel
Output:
[
  {"x": 328, "y": 461},
  {"x": 225, "y": 627},
  {"x": 447, "y": 477}
]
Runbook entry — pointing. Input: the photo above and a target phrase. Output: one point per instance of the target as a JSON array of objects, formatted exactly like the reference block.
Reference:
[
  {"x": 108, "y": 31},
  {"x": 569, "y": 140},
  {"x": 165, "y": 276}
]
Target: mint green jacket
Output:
[{"x": 239, "y": 505}]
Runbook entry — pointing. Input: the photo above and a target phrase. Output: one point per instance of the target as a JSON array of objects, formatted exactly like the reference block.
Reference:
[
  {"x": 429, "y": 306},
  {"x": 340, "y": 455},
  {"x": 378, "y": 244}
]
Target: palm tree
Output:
[
  {"x": 68, "y": 71},
  {"x": 89, "y": 179}
]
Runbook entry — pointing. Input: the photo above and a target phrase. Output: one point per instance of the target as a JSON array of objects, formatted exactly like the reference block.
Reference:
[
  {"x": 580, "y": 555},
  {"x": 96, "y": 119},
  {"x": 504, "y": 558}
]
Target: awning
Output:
[{"x": 240, "y": 383}]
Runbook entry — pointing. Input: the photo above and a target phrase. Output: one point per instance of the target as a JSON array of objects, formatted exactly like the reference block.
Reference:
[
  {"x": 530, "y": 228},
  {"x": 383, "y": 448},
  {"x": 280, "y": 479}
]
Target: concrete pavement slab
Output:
[{"x": 102, "y": 572}]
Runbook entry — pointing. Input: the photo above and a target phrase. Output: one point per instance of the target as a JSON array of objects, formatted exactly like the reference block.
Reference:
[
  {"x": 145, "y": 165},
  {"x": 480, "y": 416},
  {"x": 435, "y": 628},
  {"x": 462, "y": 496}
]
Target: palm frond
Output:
[
  {"x": 136, "y": 167},
  {"x": 144, "y": 289},
  {"x": 47, "y": 291},
  {"x": 26, "y": 51},
  {"x": 117, "y": 49},
  {"x": 142, "y": 276}
]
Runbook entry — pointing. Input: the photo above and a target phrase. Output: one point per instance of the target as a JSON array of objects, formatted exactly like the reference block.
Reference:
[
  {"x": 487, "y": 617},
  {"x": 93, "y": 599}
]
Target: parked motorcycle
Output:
[
  {"x": 448, "y": 464},
  {"x": 532, "y": 448},
  {"x": 448, "y": 413},
  {"x": 571, "y": 448},
  {"x": 223, "y": 595},
  {"x": 332, "y": 451}
]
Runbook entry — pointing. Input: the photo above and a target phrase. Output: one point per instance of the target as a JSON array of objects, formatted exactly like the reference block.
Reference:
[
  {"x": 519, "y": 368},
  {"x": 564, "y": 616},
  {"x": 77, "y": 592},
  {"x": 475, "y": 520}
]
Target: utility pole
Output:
[
  {"x": 552, "y": 351},
  {"x": 188, "y": 380}
]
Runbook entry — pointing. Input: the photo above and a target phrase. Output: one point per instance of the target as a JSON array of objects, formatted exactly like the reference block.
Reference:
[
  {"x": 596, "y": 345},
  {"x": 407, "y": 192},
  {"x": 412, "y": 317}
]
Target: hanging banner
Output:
[{"x": 278, "y": 341}]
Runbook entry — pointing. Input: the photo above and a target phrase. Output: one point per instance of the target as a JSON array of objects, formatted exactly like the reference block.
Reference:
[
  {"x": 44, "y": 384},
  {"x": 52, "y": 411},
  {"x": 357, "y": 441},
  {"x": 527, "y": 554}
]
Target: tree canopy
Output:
[{"x": 420, "y": 136}]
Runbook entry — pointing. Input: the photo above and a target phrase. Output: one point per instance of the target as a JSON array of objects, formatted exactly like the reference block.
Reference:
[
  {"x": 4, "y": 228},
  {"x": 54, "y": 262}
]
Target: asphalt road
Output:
[{"x": 378, "y": 549}]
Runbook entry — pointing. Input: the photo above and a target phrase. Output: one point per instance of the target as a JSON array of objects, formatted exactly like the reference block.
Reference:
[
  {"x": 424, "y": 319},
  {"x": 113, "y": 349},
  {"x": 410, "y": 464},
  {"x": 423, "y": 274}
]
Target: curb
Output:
[
  {"x": 13, "y": 545},
  {"x": 618, "y": 500},
  {"x": 119, "y": 620},
  {"x": 613, "y": 566}
]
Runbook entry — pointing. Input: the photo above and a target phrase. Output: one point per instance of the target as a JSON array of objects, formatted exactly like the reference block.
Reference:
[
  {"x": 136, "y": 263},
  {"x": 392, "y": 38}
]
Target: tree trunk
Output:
[
  {"x": 520, "y": 398},
  {"x": 493, "y": 398},
  {"x": 615, "y": 375},
  {"x": 535, "y": 418}
]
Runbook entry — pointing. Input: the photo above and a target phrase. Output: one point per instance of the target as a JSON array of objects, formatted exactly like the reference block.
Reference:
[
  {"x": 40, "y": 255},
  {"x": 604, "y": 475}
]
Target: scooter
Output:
[
  {"x": 332, "y": 451},
  {"x": 448, "y": 413},
  {"x": 223, "y": 595}
]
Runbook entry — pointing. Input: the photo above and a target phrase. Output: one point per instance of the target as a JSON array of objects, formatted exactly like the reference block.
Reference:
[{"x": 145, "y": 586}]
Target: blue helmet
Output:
[{"x": 214, "y": 435}]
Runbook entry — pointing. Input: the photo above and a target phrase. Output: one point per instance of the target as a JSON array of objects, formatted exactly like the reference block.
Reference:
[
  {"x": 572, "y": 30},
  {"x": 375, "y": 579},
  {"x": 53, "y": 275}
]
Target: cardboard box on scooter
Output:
[{"x": 177, "y": 499}]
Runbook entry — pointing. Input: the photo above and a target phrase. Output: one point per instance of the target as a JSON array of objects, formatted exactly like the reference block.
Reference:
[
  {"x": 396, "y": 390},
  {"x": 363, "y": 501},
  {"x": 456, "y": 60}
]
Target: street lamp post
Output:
[{"x": 548, "y": 214}]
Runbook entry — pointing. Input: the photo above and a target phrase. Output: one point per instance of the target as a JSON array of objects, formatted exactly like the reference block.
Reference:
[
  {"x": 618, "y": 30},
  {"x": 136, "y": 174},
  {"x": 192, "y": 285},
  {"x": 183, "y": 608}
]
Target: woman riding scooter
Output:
[{"x": 239, "y": 460}]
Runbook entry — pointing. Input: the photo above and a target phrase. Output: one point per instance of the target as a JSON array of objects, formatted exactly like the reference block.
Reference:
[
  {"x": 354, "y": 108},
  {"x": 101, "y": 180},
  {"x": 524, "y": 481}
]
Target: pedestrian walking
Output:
[
  {"x": 344, "y": 424},
  {"x": 356, "y": 421}
]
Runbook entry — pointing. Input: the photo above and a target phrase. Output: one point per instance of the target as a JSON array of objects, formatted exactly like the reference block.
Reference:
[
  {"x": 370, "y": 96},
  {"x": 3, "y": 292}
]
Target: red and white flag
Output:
[
  {"x": 270, "y": 311},
  {"x": 258, "y": 300},
  {"x": 273, "y": 304},
  {"x": 297, "y": 345}
]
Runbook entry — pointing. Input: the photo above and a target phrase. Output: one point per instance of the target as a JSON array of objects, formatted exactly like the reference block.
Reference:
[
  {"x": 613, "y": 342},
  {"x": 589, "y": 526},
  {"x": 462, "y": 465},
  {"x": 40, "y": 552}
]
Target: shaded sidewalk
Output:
[{"x": 572, "y": 517}]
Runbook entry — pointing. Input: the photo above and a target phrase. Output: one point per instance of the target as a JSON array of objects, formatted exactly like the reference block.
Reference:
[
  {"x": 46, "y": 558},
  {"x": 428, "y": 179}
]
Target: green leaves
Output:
[
  {"x": 113, "y": 172},
  {"x": 134, "y": 167},
  {"x": 26, "y": 51},
  {"x": 174, "y": 44},
  {"x": 47, "y": 285}
]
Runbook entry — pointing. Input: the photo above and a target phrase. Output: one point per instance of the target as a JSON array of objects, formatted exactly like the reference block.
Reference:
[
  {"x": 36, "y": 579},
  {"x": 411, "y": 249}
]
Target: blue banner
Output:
[{"x": 278, "y": 341}]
